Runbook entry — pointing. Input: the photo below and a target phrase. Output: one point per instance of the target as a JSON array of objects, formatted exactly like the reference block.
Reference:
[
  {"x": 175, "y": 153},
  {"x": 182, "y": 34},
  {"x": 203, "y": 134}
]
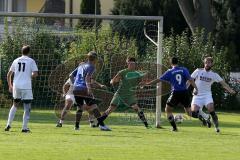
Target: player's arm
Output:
[
  {"x": 73, "y": 75},
  {"x": 188, "y": 84},
  {"x": 88, "y": 83},
  {"x": 155, "y": 81},
  {"x": 34, "y": 74},
  {"x": 9, "y": 80},
  {"x": 34, "y": 69},
  {"x": 193, "y": 77},
  {"x": 192, "y": 82},
  {"x": 98, "y": 84},
  {"x": 88, "y": 79},
  {"x": 227, "y": 87},
  {"x": 115, "y": 79},
  {"x": 164, "y": 78}
]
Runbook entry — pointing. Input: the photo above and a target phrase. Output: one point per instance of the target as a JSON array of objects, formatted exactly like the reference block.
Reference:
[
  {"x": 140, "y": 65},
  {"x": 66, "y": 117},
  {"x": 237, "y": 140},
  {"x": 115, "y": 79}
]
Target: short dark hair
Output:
[
  {"x": 131, "y": 59},
  {"x": 92, "y": 55},
  {"x": 174, "y": 60},
  {"x": 25, "y": 50}
]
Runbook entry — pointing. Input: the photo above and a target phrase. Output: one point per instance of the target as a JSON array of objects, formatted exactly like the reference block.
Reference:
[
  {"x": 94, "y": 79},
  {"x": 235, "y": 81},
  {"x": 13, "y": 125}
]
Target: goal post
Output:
[
  {"x": 159, "y": 69},
  {"x": 115, "y": 34}
]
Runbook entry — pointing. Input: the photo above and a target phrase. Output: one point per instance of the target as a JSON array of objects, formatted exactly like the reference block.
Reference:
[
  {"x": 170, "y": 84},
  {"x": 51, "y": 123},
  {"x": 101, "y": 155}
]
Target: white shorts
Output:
[
  {"x": 70, "y": 96},
  {"x": 23, "y": 94},
  {"x": 202, "y": 100}
]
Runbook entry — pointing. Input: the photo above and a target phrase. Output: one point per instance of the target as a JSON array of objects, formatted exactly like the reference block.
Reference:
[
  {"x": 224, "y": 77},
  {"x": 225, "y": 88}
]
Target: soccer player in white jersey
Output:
[
  {"x": 69, "y": 102},
  {"x": 23, "y": 69},
  {"x": 204, "y": 78}
]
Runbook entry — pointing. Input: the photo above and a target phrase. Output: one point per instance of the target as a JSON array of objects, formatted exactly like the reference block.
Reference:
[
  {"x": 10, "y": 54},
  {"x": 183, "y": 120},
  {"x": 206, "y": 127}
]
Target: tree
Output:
[
  {"x": 167, "y": 8},
  {"x": 219, "y": 17},
  {"x": 227, "y": 29},
  {"x": 53, "y": 6},
  {"x": 197, "y": 13}
]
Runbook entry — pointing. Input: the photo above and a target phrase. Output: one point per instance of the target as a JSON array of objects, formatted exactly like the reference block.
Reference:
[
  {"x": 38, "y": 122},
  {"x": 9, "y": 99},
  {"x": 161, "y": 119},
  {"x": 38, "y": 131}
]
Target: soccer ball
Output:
[{"x": 178, "y": 118}]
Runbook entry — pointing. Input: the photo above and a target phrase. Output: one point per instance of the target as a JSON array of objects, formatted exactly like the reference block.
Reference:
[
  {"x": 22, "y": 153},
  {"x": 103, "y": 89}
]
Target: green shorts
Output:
[{"x": 128, "y": 100}]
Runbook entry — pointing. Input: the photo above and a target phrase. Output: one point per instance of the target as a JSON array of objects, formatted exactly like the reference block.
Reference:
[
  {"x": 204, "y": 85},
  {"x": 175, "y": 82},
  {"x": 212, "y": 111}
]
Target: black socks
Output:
[{"x": 172, "y": 122}]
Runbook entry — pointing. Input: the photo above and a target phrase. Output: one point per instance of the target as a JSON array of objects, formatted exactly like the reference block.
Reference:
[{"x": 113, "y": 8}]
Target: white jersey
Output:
[
  {"x": 204, "y": 80},
  {"x": 23, "y": 68}
]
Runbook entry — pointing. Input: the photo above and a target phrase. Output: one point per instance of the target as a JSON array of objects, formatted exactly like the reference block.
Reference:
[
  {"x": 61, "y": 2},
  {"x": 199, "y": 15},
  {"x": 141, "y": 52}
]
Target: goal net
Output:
[{"x": 60, "y": 42}]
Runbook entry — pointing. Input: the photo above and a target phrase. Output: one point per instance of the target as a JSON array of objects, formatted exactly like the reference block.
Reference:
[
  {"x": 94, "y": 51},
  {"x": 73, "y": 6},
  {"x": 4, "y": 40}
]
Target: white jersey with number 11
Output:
[{"x": 23, "y": 68}]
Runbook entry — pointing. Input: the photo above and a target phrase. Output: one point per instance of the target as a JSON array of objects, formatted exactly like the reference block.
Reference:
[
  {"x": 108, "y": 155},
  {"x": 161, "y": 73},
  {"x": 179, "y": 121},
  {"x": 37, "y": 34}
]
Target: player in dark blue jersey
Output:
[
  {"x": 177, "y": 77},
  {"x": 82, "y": 78}
]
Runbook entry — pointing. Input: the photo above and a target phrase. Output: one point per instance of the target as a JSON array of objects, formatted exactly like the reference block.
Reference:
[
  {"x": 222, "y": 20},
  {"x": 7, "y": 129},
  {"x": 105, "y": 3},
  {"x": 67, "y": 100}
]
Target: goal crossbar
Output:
[{"x": 76, "y": 16}]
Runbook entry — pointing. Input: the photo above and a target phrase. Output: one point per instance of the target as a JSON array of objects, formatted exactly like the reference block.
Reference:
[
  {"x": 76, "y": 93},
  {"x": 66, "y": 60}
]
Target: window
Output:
[
  {"x": 2, "y": 8},
  {"x": 19, "y": 5},
  {"x": 2, "y": 5}
]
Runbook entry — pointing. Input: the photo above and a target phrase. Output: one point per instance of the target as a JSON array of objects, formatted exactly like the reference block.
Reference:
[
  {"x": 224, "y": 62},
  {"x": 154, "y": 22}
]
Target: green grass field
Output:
[{"x": 128, "y": 140}]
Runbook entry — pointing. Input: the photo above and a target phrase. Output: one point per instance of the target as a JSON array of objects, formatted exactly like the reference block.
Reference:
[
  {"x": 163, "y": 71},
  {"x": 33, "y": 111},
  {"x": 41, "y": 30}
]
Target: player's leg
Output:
[
  {"x": 113, "y": 105},
  {"x": 140, "y": 114},
  {"x": 184, "y": 99},
  {"x": 16, "y": 100},
  {"x": 26, "y": 115},
  {"x": 205, "y": 118},
  {"x": 96, "y": 112},
  {"x": 172, "y": 101},
  {"x": 27, "y": 98},
  {"x": 106, "y": 113},
  {"x": 78, "y": 117},
  {"x": 90, "y": 115},
  {"x": 12, "y": 113},
  {"x": 80, "y": 102},
  {"x": 211, "y": 110},
  {"x": 170, "y": 117},
  {"x": 91, "y": 120},
  {"x": 195, "y": 112},
  {"x": 196, "y": 107},
  {"x": 68, "y": 104}
]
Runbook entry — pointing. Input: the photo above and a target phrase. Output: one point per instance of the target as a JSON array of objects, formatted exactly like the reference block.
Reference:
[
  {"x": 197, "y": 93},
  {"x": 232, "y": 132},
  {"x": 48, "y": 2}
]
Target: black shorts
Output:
[
  {"x": 182, "y": 97},
  {"x": 81, "y": 96},
  {"x": 88, "y": 100}
]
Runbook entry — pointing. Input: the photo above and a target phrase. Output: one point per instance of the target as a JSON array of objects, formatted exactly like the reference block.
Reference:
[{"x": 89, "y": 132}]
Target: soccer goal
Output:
[{"x": 59, "y": 42}]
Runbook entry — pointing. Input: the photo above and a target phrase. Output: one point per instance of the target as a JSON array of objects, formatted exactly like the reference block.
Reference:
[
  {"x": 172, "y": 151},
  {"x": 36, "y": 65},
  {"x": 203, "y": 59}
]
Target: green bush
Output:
[
  {"x": 45, "y": 49},
  {"x": 106, "y": 44}
]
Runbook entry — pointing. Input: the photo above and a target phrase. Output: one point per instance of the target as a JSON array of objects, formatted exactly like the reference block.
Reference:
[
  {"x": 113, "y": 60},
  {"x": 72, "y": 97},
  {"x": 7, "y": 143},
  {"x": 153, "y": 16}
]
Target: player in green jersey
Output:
[{"x": 128, "y": 80}]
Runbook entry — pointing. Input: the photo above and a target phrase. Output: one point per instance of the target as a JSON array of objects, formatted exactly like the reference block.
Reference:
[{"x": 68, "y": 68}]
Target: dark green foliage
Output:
[
  {"x": 227, "y": 31},
  {"x": 45, "y": 49},
  {"x": 167, "y": 8}
]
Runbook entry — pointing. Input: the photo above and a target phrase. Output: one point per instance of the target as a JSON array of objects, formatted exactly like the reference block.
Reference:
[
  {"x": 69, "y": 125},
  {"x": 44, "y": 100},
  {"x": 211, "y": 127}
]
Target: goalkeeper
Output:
[{"x": 128, "y": 80}]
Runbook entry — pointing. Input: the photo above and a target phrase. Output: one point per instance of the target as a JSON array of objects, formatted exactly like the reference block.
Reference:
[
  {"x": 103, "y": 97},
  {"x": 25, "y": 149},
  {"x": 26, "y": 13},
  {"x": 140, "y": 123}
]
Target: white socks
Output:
[
  {"x": 11, "y": 115},
  {"x": 26, "y": 114}
]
